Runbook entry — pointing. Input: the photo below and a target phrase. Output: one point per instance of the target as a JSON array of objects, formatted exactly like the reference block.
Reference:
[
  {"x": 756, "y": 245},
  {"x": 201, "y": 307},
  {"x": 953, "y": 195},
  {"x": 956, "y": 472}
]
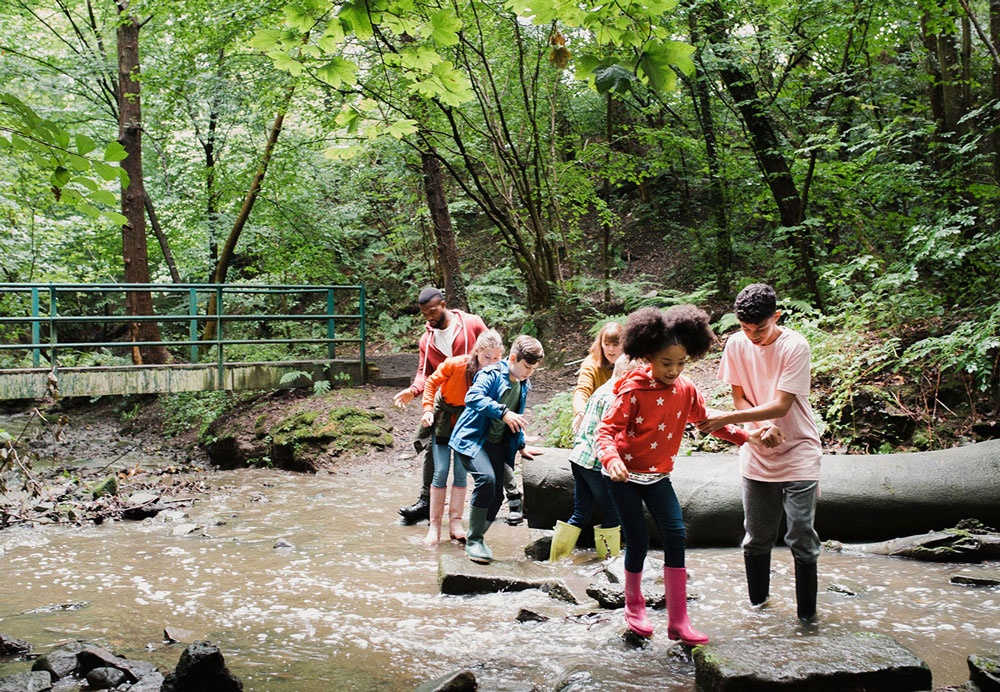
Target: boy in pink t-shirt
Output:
[{"x": 767, "y": 367}]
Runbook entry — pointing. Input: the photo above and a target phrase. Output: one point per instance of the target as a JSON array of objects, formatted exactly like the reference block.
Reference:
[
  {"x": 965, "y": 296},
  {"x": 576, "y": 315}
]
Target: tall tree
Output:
[
  {"x": 767, "y": 146},
  {"x": 134, "y": 247}
]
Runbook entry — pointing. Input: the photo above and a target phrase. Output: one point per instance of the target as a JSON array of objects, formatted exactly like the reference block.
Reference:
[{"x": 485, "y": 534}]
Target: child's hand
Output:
[
  {"x": 515, "y": 421},
  {"x": 617, "y": 470},
  {"x": 577, "y": 419},
  {"x": 530, "y": 452},
  {"x": 771, "y": 436},
  {"x": 712, "y": 423},
  {"x": 427, "y": 420}
]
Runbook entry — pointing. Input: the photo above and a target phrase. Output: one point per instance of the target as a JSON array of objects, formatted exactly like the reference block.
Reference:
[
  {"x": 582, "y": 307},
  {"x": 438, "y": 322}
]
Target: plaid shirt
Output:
[{"x": 585, "y": 446}]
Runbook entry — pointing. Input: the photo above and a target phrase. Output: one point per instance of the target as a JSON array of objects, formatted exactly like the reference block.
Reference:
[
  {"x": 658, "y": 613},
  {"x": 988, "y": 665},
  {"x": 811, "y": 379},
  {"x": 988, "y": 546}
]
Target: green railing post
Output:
[
  {"x": 361, "y": 333},
  {"x": 53, "y": 337},
  {"x": 221, "y": 382},
  {"x": 36, "y": 329},
  {"x": 331, "y": 351},
  {"x": 193, "y": 325}
]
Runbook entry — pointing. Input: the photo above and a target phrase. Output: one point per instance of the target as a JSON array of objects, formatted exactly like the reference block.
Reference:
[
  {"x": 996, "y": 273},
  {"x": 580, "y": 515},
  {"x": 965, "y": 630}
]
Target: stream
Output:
[{"x": 352, "y": 602}]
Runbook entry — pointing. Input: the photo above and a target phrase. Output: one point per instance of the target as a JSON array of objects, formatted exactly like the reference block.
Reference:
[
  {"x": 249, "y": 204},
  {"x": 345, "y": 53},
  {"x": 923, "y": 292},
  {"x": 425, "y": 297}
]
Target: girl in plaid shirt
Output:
[{"x": 589, "y": 486}]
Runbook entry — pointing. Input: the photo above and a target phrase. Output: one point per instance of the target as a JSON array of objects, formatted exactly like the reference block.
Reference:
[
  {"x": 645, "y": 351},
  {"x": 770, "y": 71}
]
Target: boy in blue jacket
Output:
[{"x": 490, "y": 432}]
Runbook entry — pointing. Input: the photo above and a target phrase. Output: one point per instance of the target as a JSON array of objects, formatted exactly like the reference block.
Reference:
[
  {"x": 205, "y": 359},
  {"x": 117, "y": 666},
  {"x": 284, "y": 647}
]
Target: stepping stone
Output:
[
  {"x": 845, "y": 663},
  {"x": 461, "y": 576}
]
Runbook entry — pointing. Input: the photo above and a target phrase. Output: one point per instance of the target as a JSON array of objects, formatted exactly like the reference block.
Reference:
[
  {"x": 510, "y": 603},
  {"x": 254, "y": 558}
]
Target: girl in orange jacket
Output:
[{"x": 443, "y": 400}]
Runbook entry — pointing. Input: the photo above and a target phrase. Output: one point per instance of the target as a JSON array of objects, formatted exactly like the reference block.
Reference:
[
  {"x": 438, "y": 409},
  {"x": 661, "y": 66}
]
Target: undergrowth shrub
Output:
[{"x": 193, "y": 410}]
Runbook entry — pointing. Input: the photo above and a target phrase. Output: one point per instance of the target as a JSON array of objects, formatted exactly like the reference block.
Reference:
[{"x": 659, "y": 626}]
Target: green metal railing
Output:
[{"x": 34, "y": 316}]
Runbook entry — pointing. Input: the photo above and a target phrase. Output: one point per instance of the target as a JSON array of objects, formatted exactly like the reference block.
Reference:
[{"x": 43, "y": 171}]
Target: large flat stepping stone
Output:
[
  {"x": 461, "y": 576},
  {"x": 857, "y": 662}
]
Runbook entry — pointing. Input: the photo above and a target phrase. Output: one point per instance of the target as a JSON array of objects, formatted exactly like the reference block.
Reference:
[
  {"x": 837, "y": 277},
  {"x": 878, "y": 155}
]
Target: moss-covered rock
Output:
[{"x": 305, "y": 439}]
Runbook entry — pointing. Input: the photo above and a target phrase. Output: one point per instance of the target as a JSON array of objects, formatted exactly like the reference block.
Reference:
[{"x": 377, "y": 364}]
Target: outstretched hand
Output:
[
  {"x": 402, "y": 398},
  {"x": 531, "y": 452},
  {"x": 515, "y": 421}
]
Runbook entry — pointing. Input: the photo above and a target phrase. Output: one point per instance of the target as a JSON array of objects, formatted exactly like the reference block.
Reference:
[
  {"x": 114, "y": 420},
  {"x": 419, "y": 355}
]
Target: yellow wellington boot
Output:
[
  {"x": 607, "y": 541},
  {"x": 563, "y": 540}
]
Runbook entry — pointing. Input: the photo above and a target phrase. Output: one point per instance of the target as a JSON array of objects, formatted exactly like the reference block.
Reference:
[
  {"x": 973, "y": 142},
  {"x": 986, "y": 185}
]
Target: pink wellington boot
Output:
[
  {"x": 456, "y": 505},
  {"x": 678, "y": 625},
  {"x": 436, "y": 513},
  {"x": 635, "y": 605}
]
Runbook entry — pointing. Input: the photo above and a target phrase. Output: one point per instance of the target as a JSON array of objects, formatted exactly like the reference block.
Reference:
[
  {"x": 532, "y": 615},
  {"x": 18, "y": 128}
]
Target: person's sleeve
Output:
[
  {"x": 698, "y": 412},
  {"x": 615, "y": 421},
  {"x": 585, "y": 385},
  {"x": 794, "y": 378},
  {"x": 727, "y": 372},
  {"x": 479, "y": 400},
  {"x": 433, "y": 383},
  {"x": 417, "y": 387}
]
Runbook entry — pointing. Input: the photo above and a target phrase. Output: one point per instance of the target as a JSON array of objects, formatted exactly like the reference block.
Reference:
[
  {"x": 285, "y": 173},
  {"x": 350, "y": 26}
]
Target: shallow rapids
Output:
[{"x": 351, "y": 600}]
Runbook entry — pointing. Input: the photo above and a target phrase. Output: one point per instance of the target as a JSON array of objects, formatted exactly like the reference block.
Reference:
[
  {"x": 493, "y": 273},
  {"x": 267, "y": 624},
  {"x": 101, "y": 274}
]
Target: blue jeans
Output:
[
  {"x": 661, "y": 500},
  {"x": 589, "y": 487},
  {"x": 487, "y": 469},
  {"x": 442, "y": 462},
  {"x": 763, "y": 504}
]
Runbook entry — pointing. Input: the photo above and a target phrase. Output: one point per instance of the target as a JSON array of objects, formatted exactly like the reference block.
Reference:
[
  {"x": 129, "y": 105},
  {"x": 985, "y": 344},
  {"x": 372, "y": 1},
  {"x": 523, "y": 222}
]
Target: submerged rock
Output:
[
  {"x": 984, "y": 671},
  {"x": 979, "y": 577},
  {"x": 461, "y": 681},
  {"x": 858, "y": 662},
  {"x": 608, "y": 587},
  {"x": 202, "y": 668},
  {"x": 461, "y": 576},
  {"x": 13, "y": 647}
]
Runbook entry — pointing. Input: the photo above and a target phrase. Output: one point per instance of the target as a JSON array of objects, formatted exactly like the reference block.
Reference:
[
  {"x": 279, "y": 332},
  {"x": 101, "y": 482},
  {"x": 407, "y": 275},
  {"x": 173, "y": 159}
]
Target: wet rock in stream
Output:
[
  {"x": 461, "y": 576},
  {"x": 82, "y": 665},
  {"x": 857, "y": 662}
]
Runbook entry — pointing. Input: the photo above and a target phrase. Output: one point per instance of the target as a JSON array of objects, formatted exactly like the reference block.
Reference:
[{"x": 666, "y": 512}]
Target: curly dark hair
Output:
[
  {"x": 755, "y": 303},
  {"x": 649, "y": 330}
]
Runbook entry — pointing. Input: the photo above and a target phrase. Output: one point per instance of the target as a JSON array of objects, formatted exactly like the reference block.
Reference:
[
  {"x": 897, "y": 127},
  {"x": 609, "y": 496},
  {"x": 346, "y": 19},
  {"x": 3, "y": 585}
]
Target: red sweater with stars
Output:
[{"x": 644, "y": 424}]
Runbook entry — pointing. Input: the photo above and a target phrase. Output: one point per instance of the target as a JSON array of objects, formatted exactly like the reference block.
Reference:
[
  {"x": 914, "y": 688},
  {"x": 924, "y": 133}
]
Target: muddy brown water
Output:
[{"x": 353, "y": 603}]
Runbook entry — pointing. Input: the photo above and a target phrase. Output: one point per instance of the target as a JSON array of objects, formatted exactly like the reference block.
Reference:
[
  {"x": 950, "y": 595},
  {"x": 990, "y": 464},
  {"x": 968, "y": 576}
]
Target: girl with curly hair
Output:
[{"x": 638, "y": 439}]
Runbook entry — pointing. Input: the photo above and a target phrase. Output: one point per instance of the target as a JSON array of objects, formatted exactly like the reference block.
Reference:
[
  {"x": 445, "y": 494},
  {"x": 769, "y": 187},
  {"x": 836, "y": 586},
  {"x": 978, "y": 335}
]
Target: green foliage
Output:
[
  {"x": 645, "y": 293},
  {"x": 557, "y": 416},
  {"x": 970, "y": 350},
  {"x": 186, "y": 411},
  {"x": 78, "y": 171},
  {"x": 493, "y": 297}
]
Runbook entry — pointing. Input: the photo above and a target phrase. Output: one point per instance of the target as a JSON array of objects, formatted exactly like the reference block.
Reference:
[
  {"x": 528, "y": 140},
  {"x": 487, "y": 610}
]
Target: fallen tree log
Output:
[{"x": 864, "y": 497}]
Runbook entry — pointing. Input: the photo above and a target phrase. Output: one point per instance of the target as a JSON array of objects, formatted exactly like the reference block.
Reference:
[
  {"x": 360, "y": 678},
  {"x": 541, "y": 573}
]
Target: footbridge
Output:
[{"x": 78, "y": 340}]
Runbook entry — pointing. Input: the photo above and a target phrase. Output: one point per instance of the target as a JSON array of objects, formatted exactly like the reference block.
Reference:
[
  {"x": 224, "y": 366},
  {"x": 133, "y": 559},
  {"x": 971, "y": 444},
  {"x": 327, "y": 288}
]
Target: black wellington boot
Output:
[
  {"x": 421, "y": 509},
  {"x": 805, "y": 590},
  {"x": 758, "y": 568}
]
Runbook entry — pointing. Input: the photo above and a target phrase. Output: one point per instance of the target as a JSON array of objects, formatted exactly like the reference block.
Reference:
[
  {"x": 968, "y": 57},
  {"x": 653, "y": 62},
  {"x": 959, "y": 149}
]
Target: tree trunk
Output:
[
  {"x": 716, "y": 188},
  {"x": 161, "y": 238},
  {"x": 444, "y": 236},
  {"x": 222, "y": 266},
  {"x": 995, "y": 135},
  {"x": 766, "y": 146},
  {"x": 134, "y": 248}
]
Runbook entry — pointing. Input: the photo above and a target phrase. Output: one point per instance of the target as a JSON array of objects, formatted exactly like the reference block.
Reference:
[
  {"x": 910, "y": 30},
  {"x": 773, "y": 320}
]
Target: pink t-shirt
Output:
[{"x": 763, "y": 371}]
